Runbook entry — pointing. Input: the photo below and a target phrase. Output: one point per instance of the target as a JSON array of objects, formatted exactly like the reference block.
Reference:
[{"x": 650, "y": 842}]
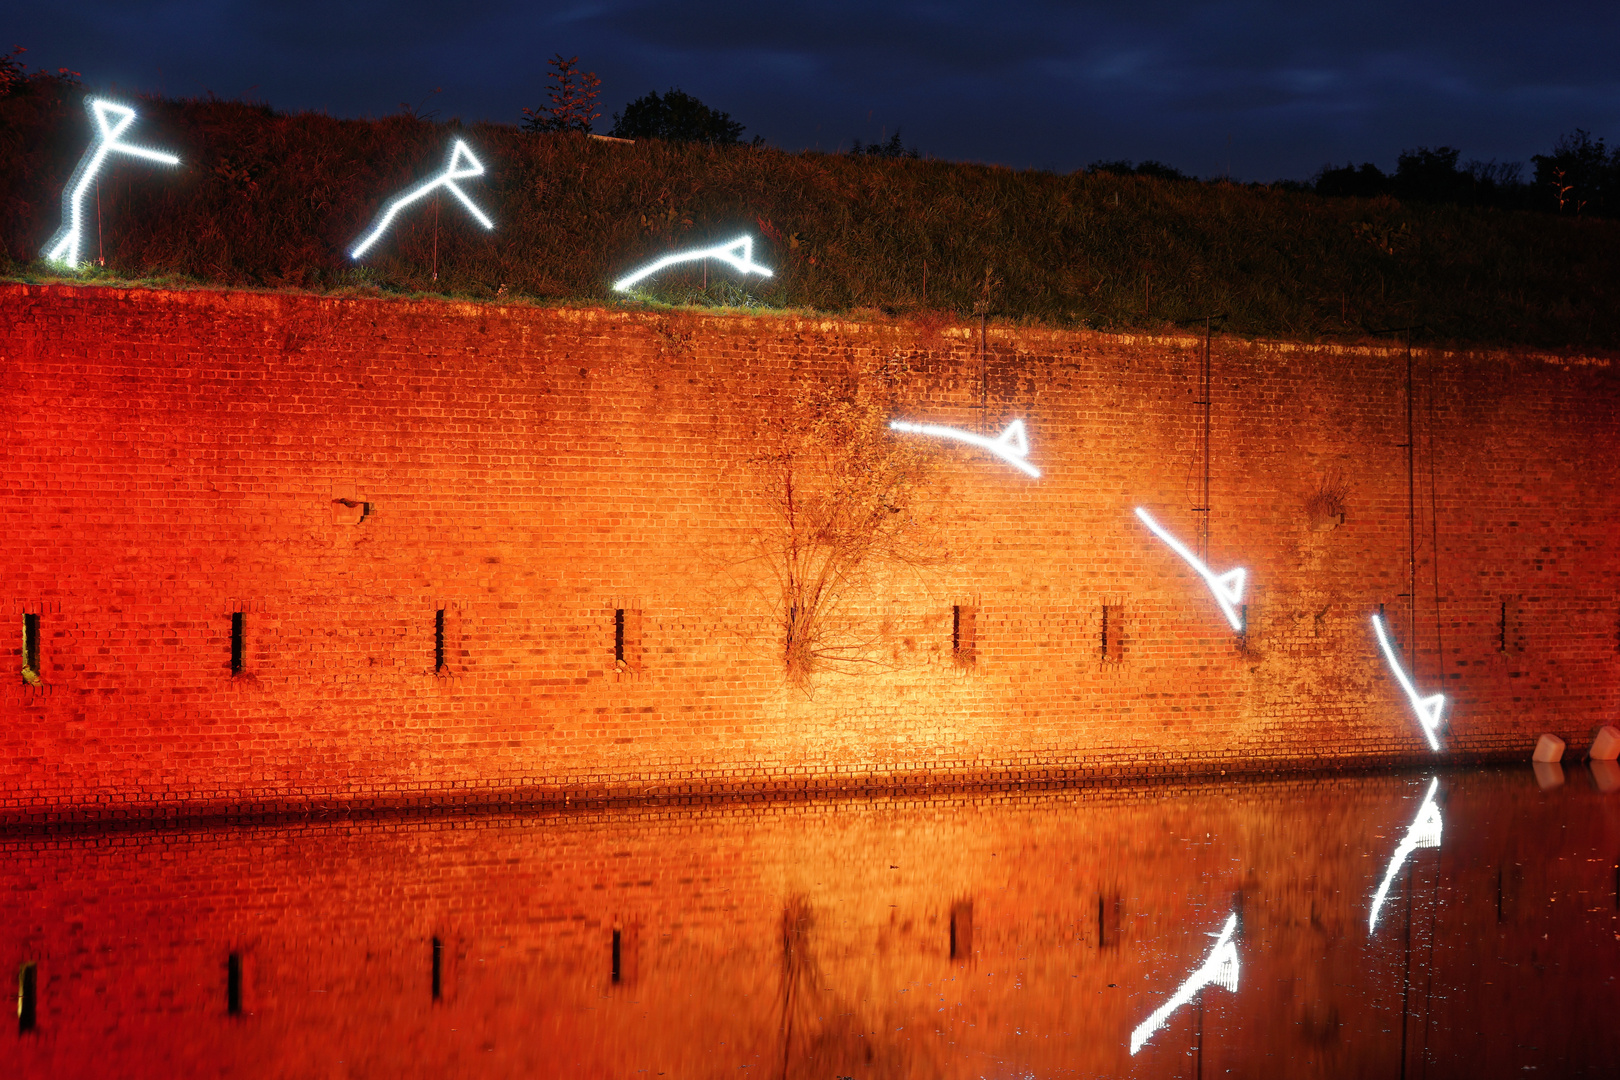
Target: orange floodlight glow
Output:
[
  {"x": 1221, "y": 968},
  {"x": 1423, "y": 833},
  {"x": 1227, "y": 587},
  {"x": 739, "y": 255},
  {"x": 1011, "y": 446},
  {"x": 112, "y": 120},
  {"x": 1428, "y": 709},
  {"x": 462, "y": 166}
]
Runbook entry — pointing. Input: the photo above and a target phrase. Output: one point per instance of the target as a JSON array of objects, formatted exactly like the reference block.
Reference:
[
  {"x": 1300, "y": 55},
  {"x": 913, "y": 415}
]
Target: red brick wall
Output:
[
  {"x": 174, "y": 457},
  {"x": 1512, "y": 929}
]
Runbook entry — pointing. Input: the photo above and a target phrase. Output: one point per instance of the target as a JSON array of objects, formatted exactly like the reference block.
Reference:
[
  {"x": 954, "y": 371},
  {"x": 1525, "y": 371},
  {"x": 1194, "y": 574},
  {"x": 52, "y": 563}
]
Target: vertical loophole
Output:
[
  {"x": 962, "y": 930},
  {"x": 438, "y": 640},
  {"x": 27, "y": 998},
  {"x": 438, "y": 970},
  {"x": 618, "y": 635},
  {"x": 1110, "y": 920},
  {"x": 233, "y": 985},
  {"x": 617, "y": 958},
  {"x": 964, "y": 635},
  {"x": 238, "y": 654},
  {"x": 30, "y": 671}
]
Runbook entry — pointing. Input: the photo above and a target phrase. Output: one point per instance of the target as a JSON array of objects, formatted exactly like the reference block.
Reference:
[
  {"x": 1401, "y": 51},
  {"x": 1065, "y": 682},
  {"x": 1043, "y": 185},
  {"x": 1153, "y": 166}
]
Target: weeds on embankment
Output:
[{"x": 269, "y": 200}]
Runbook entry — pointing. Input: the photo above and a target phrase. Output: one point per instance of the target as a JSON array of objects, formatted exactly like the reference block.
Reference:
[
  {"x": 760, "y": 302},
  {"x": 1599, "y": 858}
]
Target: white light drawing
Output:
[
  {"x": 112, "y": 120},
  {"x": 1227, "y": 587},
  {"x": 739, "y": 255},
  {"x": 1424, "y": 833},
  {"x": 462, "y": 166},
  {"x": 1011, "y": 446},
  {"x": 1221, "y": 968},
  {"x": 1428, "y": 709}
]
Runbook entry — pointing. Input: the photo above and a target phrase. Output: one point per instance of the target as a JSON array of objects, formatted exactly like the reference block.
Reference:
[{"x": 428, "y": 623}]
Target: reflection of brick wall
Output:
[
  {"x": 338, "y": 471},
  {"x": 819, "y": 932}
]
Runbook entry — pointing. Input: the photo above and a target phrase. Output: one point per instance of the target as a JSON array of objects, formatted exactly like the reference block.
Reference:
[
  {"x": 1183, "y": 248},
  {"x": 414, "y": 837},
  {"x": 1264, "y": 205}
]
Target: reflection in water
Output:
[
  {"x": 1549, "y": 774},
  {"x": 954, "y": 936},
  {"x": 1423, "y": 833},
  {"x": 1221, "y": 968}
]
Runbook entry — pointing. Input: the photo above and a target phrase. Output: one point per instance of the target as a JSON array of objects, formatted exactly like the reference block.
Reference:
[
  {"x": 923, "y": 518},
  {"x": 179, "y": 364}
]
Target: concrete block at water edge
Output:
[
  {"x": 1549, "y": 748},
  {"x": 1606, "y": 746}
]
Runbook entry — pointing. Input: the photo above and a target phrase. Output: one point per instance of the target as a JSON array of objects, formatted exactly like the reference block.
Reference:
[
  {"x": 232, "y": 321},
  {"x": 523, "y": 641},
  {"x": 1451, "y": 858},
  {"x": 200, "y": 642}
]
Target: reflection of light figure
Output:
[
  {"x": 1011, "y": 446},
  {"x": 739, "y": 255},
  {"x": 1424, "y": 833},
  {"x": 1220, "y": 968},
  {"x": 1227, "y": 587},
  {"x": 1427, "y": 709},
  {"x": 112, "y": 120},
  {"x": 462, "y": 166}
]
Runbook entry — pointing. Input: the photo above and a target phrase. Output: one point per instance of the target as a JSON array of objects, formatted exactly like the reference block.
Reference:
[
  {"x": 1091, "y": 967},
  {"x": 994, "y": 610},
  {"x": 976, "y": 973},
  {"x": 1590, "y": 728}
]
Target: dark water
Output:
[{"x": 1000, "y": 934}]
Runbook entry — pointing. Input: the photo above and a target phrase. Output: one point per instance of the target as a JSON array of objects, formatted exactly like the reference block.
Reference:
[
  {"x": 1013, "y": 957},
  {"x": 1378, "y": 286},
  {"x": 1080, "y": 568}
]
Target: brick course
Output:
[{"x": 339, "y": 470}]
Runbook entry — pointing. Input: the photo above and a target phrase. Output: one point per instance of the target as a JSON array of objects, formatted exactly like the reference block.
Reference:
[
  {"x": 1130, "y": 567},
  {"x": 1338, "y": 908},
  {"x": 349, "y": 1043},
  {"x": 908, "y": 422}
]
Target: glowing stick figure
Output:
[
  {"x": 1227, "y": 587},
  {"x": 739, "y": 255},
  {"x": 1424, "y": 832},
  {"x": 112, "y": 120},
  {"x": 462, "y": 166},
  {"x": 1011, "y": 446},
  {"x": 1428, "y": 709},
  {"x": 1221, "y": 968}
]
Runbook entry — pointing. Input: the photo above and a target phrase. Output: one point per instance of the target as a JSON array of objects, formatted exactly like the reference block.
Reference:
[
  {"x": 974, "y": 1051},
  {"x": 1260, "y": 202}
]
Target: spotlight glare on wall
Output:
[
  {"x": 1220, "y": 968},
  {"x": 461, "y": 167},
  {"x": 1011, "y": 446},
  {"x": 1227, "y": 587},
  {"x": 738, "y": 254},
  {"x": 1428, "y": 709},
  {"x": 112, "y": 120},
  {"x": 1424, "y": 832}
]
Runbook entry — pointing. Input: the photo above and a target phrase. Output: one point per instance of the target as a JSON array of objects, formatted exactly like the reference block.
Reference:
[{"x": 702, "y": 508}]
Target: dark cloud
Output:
[{"x": 1275, "y": 88}]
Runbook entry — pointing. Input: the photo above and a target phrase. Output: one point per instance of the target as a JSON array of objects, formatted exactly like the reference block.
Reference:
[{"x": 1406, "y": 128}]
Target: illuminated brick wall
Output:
[{"x": 238, "y": 517}]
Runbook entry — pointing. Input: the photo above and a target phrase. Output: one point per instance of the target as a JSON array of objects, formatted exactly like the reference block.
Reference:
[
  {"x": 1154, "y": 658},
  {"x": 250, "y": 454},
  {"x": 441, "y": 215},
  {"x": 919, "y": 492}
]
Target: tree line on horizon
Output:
[{"x": 1580, "y": 176}]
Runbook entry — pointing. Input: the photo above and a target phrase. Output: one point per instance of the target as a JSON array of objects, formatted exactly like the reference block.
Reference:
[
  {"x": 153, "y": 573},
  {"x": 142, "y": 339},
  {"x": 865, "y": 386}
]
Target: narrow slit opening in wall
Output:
[
  {"x": 962, "y": 930},
  {"x": 438, "y": 970},
  {"x": 1110, "y": 921},
  {"x": 438, "y": 640},
  {"x": 238, "y": 654},
  {"x": 27, "y": 998},
  {"x": 233, "y": 984},
  {"x": 30, "y": 671},
  {"x": 617, "y": 958},
  {"x": 618, "y": 635},
  {"x": 964, "y": 634}
]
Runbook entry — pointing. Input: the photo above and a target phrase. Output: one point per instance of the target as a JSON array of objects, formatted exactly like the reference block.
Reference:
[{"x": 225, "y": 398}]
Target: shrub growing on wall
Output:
[{"x": 836, "y": 500}]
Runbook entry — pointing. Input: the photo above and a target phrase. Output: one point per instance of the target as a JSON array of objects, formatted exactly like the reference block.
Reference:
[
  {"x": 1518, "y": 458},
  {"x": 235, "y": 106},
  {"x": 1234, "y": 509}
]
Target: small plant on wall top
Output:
[{"x": 834, "y": 506}]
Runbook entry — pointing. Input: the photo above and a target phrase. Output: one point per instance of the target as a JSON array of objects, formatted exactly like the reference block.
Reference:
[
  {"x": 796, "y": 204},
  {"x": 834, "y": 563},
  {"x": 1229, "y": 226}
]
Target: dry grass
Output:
[{"x": 269, "y": 200}]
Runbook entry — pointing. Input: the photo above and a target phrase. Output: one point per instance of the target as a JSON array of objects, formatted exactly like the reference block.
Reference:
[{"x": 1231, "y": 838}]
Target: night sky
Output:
[{"x": 1255, "y": 89}]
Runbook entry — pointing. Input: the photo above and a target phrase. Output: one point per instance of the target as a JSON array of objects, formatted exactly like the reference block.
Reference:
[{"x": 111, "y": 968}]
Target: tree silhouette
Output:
[
  {"x": 677, "y": 117},
  {"x": 573, "y": 99}
]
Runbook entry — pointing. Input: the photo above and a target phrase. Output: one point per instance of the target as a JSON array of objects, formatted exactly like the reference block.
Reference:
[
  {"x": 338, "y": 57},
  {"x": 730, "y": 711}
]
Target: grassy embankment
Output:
[{"x": 268, "y": 200}]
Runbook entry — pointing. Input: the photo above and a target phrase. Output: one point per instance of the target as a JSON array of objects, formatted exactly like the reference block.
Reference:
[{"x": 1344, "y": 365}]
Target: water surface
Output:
[{"x": 997, "y": 934}]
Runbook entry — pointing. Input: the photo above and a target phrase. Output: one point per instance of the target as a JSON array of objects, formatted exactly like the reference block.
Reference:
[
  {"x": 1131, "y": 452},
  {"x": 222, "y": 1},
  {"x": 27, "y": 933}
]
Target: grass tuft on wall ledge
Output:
[{"x": 268, "y": 200}]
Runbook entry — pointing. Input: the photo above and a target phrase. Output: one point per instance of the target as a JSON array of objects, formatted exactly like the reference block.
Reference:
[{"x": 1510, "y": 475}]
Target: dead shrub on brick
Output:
[
  {"x": 1325, "y": 506},
  {"x": 834, "y": 506}
]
